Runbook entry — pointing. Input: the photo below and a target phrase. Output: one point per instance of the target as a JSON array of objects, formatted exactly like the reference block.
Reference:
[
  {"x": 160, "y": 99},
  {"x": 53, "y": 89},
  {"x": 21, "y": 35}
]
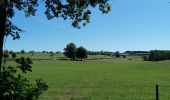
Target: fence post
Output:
[{"x": 157, "y": 93}]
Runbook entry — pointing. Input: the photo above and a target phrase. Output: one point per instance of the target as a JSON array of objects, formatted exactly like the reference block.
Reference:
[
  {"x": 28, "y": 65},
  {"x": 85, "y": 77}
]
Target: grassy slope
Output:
[{"x": 106, "y": 79}]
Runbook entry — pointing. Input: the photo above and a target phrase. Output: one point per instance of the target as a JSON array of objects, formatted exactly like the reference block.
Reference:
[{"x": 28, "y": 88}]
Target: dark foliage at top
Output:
[{"x": 76, "y": 10}]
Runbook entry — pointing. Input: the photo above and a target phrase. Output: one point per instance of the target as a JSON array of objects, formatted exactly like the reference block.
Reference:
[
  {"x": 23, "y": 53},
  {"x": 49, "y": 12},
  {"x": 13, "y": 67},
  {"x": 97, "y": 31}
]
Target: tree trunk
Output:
[{"x": 2, "y": 28}]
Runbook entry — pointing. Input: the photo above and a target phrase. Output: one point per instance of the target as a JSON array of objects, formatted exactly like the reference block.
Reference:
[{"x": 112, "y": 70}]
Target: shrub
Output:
[
  {"x": 10, "y": 52},
  {"x": 22, "y": 51},
  {"x": 124, "y": 56},
  {"x": 6, "y": 55},
  {"x": 16, "y": 87},
  {"x": 13, "y": 55},
  {"x": 117, "y": 54}
]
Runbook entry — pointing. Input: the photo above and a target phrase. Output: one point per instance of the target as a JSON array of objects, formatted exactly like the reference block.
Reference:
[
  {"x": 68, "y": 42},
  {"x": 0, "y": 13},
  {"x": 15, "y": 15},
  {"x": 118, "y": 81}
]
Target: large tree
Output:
[
  {"x": 70, "y": 51},
  {"x": 81, "y": 53}
]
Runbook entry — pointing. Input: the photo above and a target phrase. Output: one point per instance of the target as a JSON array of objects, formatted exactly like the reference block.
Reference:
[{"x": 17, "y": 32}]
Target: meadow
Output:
[{"x": 102, "y": 78}]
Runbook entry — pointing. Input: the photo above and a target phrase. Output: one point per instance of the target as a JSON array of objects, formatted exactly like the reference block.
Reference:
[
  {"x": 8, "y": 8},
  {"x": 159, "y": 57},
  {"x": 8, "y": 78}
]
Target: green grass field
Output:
[{"x": 103, "y": 79}]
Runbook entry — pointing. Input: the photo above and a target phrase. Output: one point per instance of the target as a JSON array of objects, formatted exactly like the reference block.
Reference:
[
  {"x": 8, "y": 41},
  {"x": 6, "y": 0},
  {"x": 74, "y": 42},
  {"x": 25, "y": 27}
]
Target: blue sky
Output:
[{"x": 131, "y": 25}]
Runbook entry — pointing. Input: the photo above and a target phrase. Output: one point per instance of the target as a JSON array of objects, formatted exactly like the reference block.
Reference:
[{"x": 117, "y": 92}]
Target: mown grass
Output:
[{"x": 103, "y": 79}]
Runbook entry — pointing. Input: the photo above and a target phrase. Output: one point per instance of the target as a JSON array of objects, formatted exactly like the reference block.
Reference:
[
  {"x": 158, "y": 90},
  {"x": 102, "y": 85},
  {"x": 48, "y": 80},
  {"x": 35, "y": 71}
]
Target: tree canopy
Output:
[
  {"x": 81, "y": 53},
  {"x": 70, "y": 51},
  {"x": 76, "y": 10}
]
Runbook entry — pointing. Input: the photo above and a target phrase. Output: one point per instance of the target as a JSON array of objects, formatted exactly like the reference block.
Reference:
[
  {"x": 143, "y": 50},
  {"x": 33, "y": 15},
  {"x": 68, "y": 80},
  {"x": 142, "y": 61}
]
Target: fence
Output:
[{"x": 157, "y": 92}]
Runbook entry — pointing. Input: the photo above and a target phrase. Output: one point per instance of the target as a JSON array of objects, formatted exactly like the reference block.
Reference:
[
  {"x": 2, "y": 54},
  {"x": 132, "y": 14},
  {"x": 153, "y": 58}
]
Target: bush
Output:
[
  {"x": 117, "y": 54},
  {"x": 10, "y": 52},
  {"x": 22, "y": 51},
  {"x": 13, "y": 55},
  {"x": 124, "y": 56},
  {"x": 6, "y": 55},
  {"x": 16, "y": 87}
]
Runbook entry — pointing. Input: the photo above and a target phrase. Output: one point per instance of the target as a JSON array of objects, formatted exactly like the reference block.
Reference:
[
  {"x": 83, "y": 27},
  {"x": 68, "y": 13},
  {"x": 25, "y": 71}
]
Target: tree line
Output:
[
  {"x": 108, "y": 53},
  {"x": 157, "y": 55}
]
